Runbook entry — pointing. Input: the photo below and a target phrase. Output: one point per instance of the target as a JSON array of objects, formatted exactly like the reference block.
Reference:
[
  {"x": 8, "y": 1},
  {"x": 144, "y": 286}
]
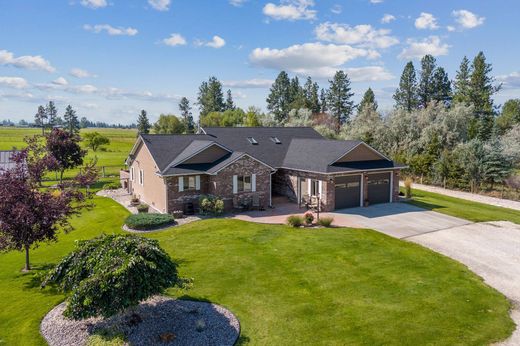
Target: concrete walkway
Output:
[{"x": 499, "y": 202}]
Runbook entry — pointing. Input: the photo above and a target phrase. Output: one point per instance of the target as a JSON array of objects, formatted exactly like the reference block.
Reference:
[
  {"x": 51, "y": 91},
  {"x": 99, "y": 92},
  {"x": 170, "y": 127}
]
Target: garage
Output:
[
  {"x": 378, "y": 188},
  {"x": 348, "y": 191}
]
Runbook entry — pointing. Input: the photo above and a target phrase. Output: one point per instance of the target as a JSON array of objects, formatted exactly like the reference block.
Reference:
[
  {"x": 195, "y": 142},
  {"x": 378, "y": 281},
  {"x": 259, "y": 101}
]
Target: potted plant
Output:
[
  {"x": 134, "y": 201},
  {"x": 142, "y": 208},
  {"x": 309, "y": 218}
]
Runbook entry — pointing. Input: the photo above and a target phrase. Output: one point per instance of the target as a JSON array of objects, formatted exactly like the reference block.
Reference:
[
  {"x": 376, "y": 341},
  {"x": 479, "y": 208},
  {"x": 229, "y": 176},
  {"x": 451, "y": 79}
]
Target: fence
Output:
[{"x": 104, "y": 172}]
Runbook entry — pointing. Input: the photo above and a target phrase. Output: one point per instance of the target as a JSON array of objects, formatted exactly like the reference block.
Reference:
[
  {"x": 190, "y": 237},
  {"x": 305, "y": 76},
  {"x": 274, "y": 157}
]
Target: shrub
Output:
[
  {"x": 147, "y": 221},
  {"x": 209, "y": 204},
  {"x": 143, "y": 208},
  {"x": 111, "y": 186},
  {"x": 106, "y": 275},
  {"x": 325, "y": 221},
  {"x": 295, "y": 220},
  {"x": 308, "y": 217},
  {"x": 408, "y": 187}
]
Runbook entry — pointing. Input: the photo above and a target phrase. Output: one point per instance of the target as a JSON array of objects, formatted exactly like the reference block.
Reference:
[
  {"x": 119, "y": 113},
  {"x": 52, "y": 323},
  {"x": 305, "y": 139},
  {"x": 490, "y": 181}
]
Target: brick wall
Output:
[{"x": 177, "y": 199}]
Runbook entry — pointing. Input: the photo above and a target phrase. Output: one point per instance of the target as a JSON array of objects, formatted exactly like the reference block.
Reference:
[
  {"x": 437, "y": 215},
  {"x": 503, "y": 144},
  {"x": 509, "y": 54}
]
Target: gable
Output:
[
  {"x": 361, "y": 152},
  {"x": 208, "y": 155}
]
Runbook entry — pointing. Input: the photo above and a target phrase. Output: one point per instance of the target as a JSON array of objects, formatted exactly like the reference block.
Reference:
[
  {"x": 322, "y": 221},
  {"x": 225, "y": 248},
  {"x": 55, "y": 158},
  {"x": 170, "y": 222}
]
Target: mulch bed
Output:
[{"x": 157, "y": 321}]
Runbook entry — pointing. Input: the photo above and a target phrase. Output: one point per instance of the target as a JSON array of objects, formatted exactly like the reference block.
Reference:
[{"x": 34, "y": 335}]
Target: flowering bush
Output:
[{"x": 308, "y": 217}]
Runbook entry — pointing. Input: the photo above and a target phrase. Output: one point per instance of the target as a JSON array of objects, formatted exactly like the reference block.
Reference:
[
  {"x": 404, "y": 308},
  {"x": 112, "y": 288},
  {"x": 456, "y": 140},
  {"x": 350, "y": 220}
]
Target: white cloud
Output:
[
  {"x": 314, "y": 59},
  {"x": 116, "y": 93},
  {"x": 510, "y": 81},
  {"x": 174, "y": 40},
  {"x": 450, "y": 28},
  {"x": 376, "y": 1},
  {"x": 112, "y": 31},
  {"x": 237, "y": 3},
  {"x": 368, "y": 74},
  {"x": 82, "y": 89},
  {"x": 80, "y": 73},
  {"x": 426, "y": 21},
  {"x": 249, "y": 83},
  {"x": 467, "y": 19},
  {"x": 387, "y": 18},
  {"x": 60, "y": 81},
  {"x": 160, "y": 5},
  {"x": 216, "y": 42},
  {"x": 14, "y": 82},
  {"x": 417, "y": 49},
  {"x": 94, "y": 4},
  {"x": 30, "y": 62},
  {"x": 291, "y": 10},
  {"x": 336, "y": 9},
  {"x": 364, "y": 35}
]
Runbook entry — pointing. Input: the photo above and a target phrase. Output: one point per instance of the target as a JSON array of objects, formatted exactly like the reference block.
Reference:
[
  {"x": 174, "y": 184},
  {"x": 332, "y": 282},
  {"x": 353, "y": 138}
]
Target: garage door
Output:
[
  {"x": 379, "y": 188},
  {"x": 348, "y": 191}
]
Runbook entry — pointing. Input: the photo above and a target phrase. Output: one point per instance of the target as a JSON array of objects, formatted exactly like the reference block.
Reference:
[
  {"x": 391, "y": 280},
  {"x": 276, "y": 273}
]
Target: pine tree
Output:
[
  {"x": 230, "y": 105},
  {"x": 406, "y": 96},
  {"x": 369, "y": 99},
  {"x": 339, "y": 99},
  {"x": 441, "y": 87},
  {"x": 425, "y": 90},
  {"x": 210, "y": 97},
  {"x": 143, "y": 124},
  {"x": 461, "y": 84},
  {"x": 312, "y": 99},
  {"x": 187, "y": 117},
  {"x": 40, "y": 117},
  {"x": 52, "y": 114},
  {"x": 297, "y": 94},
  {"x": 71, "y": 120},
  {"x": 279, "y": 99},
  {"x": 497, "y": 166},
  {"x": 323, "y": 101}
]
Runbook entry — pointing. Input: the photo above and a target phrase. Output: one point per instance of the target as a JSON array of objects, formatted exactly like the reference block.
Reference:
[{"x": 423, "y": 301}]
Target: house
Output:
[
  {"x": 241, "y": 164},
  {"x": 6, "y": 159}
]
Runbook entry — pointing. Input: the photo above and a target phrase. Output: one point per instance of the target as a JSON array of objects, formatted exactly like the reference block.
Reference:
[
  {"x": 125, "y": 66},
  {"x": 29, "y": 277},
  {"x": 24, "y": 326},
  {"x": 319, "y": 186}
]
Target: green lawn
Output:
[
  {"x": 307, "y": 286},
  {"x": 473, "y": 211}
]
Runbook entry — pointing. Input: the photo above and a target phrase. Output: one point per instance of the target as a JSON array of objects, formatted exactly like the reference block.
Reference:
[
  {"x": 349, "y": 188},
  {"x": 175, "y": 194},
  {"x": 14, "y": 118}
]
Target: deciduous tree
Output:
[
  {"x": 95, "y": 140},
  {"x": 168, "y": 124},
  {"x": 65, "y": 149}
]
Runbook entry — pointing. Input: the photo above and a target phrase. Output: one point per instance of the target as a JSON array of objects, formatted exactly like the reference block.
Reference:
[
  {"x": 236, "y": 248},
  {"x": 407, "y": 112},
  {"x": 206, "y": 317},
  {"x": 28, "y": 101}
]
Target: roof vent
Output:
[
  {"x": 276, "y": 140},
  {"x": 252, "y": 140}
]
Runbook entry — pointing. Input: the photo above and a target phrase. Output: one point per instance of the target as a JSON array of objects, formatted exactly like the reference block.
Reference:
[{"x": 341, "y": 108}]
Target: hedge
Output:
[{"x": 146, "y": 221}]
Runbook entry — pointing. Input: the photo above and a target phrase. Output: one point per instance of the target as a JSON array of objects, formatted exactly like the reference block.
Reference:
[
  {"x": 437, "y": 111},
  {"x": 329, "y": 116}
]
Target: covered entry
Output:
[
  {"x": 348, "y": 191},
  {"x": 379, "y": 185}
]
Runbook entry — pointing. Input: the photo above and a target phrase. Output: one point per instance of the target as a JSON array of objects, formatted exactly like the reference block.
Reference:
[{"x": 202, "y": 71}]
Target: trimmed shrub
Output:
[
  {"x": 325, "y": 221},
  {"x": 408, "y": 187},
  {"x": 106, "y": 275},
  {"x": 295, "y": 221},
  {"x": 308, "y": 217},
  {"x": 210, "y": 204},
  {"x": 111, "y": 186},
  {"x": 147, "y": 221},
  {"x": 143, "y": 208}
]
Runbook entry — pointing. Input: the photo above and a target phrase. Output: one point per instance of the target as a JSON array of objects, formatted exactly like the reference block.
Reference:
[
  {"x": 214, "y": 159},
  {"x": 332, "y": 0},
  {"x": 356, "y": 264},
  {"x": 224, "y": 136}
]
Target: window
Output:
[
  {"x": 141, "y": 177},
  {"x": 189, "y": 183},
  {"x": 315, "y": 187},
  {"x": 276, "y": 140},
  {"x": 252, "y": 140},
  {"x": 244, "y": 183}
]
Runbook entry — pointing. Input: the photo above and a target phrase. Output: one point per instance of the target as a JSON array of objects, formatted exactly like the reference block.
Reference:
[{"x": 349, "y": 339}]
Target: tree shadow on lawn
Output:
[
  {"x": 425, "y": 205},
  {"x": 36, "y": 277}
]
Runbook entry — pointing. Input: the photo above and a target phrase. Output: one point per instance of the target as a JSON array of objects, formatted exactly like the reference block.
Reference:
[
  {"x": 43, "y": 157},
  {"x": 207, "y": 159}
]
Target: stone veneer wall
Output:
[{"x": 176, "y": 199}]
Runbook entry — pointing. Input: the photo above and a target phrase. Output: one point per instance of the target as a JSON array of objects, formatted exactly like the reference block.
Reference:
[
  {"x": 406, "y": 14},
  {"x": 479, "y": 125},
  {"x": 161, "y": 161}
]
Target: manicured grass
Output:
[
  {"x": 291, "y": 286},
  {"x": 473, "y": 211}
]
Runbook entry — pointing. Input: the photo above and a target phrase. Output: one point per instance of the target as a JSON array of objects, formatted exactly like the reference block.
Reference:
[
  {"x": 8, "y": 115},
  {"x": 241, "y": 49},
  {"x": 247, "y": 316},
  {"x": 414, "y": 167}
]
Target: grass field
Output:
[
  {"x": 469, "y": 210},
  {"x": 121, "y": 142},
  {"x": 306, "y": 286}
]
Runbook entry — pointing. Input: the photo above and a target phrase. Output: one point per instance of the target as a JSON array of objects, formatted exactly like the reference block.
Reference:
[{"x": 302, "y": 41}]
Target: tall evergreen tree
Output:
[
  {"x": 406, "y": 96},
  {"x": 52, "y": 114},
  {"x": 441, "y": 87},
  {"x": 297, "y": 94},
  {"x": 71, "y": 120},
  {"x": 279, "y": 98},
  {"x": 143, "y": 124},
  {"x": 187, "y": 117},
  {"x": 368, "y": 100},
  {"x": 40, "y": 118},
  {"x": 230, "y": 105},
  {"x": 481, "y": 92},
  {"x": 426, "y": 86},
  {"x": 461, "y": 84},
  {"x": 323, "y": 101},
  {"x": 210, "y": 97},
  {"x": 339, "y": 99},
  {"x": 312, "y": 99}
]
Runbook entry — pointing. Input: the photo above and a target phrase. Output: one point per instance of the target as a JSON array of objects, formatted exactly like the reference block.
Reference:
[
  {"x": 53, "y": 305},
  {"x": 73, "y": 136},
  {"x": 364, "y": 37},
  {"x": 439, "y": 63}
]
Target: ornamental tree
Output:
[
  {"x": 29, "y": 215},
  {"x": 65, "y": 149},
  {"x": 111, "y": 273}
]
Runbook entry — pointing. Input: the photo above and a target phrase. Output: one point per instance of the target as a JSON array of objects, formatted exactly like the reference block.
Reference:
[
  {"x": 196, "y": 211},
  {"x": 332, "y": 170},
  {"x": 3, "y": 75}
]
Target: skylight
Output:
[
  {"x": 252, "y": 140},
  {"x": 276, "y": 140}
]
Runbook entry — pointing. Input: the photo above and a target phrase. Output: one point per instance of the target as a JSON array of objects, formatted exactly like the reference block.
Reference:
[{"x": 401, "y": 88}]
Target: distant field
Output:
[{"x": 121, "y": 141}]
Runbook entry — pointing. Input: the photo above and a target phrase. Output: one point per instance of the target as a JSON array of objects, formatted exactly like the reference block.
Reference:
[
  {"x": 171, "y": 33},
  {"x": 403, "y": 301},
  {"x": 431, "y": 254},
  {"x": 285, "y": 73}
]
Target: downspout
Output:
[{"x": 271, "y": 189}]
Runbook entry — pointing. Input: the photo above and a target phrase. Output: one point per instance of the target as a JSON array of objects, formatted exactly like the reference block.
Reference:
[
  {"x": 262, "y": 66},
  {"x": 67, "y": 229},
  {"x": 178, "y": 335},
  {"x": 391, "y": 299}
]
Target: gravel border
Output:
[{"x": 158, "y": 321}]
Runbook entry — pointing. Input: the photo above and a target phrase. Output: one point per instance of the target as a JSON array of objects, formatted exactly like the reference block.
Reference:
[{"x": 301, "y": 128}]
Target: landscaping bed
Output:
[{"x": 159, "y": 320}]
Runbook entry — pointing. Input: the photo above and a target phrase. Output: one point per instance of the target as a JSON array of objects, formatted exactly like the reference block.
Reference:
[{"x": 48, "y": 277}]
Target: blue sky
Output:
[{"x": 111, "y": 58}]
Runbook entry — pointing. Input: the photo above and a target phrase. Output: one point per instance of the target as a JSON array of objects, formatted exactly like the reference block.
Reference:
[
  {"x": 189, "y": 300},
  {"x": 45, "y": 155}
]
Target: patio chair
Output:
[{"x": 256, "y": 202}]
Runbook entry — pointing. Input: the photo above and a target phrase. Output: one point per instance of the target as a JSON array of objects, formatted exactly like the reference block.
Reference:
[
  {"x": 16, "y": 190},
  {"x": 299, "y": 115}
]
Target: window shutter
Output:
[
  {"x": 235, "y": 184},
  {"x": 309, "y": 187},
  {"x": 319, "y": 187},
  {"x": 197, "y": 182},
  {"x": 253, "y": 183},
  {"x": 181, "y": 184}
]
